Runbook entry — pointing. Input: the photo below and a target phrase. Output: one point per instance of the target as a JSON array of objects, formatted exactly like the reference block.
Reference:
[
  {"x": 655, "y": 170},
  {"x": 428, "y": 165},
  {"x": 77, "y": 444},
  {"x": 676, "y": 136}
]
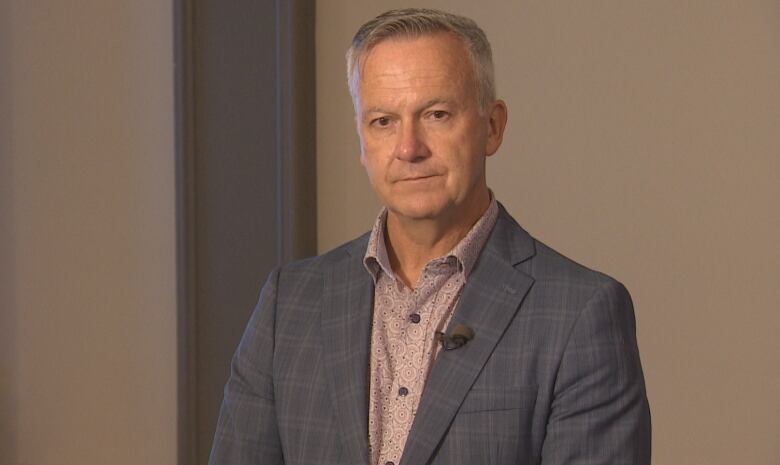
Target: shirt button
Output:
[
  {"x": 414, "y": 317},
  {"x": 403, "y": 392}
]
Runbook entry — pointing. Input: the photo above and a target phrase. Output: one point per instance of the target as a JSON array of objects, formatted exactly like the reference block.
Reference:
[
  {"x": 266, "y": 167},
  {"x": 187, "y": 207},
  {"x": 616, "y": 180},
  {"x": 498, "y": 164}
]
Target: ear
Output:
[{"x": 496, "y": 119}]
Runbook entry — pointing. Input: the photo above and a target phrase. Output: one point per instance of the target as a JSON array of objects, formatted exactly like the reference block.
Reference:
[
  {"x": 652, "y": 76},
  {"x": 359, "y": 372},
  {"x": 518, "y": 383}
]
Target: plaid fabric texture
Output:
[{"x": 551, "y": 377}]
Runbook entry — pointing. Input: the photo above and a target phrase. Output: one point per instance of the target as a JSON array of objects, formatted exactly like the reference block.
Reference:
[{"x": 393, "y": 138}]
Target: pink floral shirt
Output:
[{"x": 405, "y": 320}]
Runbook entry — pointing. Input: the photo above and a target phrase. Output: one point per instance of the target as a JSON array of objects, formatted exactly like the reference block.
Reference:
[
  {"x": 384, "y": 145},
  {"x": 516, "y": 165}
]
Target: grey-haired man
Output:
[{"x": 446, "y": 335}]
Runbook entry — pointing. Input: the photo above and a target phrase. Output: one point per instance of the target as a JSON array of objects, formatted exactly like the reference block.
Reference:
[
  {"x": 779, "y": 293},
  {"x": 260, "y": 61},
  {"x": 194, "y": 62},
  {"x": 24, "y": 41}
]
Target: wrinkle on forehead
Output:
[{"x": 403, "y": 78}]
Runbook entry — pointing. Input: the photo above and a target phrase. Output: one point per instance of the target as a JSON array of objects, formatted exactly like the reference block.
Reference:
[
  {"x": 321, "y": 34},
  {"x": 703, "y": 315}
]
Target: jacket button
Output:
[
  {"x": 403, "y": 392},
  {"x": 414, "y": 317}
]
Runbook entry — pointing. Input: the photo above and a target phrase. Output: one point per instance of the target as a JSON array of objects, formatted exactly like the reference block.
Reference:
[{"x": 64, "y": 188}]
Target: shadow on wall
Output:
[{"x": 8, "y": 359}]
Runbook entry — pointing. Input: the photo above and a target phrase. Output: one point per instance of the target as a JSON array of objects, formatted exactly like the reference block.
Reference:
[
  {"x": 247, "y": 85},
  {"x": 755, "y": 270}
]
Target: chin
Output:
[{"x": 418, "y": 210}]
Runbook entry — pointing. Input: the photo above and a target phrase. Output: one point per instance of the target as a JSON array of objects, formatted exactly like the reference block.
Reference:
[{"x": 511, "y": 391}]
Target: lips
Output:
[{"x": 417, "y": 177}]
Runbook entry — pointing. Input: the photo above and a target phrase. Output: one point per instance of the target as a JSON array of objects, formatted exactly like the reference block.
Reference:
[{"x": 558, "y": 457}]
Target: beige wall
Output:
[
  {"x": 643, "y": 140},
  {"x": 87, "y": 265}
]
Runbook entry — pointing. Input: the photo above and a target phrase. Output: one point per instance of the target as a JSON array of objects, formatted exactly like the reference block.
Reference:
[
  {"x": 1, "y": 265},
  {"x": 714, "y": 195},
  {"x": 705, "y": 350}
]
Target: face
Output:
[{"x": 423, "y": 137}]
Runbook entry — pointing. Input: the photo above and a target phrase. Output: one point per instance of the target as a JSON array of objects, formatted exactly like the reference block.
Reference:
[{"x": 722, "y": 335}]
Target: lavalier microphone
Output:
[{"x": 460, "y": 335}]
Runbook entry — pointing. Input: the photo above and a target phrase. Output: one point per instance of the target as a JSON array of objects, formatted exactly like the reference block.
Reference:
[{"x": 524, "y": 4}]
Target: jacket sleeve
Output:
[
  {"x": 600, "y": 413},
  {"x": 247, "y": 432}
]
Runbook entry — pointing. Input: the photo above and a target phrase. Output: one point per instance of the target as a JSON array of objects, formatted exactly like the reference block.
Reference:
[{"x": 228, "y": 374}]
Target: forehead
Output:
[{"x": 403, "y": 63}]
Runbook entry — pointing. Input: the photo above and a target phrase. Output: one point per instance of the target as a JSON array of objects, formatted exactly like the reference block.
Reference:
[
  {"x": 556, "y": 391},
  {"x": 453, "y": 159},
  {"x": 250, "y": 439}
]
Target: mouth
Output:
[{"x": 418, "y": 178}]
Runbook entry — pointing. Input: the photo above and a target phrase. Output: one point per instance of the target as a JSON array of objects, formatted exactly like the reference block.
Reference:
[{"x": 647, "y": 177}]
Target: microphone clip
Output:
[{"x": 459, "y": 337}]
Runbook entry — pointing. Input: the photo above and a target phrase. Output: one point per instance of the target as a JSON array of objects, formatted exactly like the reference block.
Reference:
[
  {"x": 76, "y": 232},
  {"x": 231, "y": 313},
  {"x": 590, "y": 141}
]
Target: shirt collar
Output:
[{"x": 466, "y": 252}]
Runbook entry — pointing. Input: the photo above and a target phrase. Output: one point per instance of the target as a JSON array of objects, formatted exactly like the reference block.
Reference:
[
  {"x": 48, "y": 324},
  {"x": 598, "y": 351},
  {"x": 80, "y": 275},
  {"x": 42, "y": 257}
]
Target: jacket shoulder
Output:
[
  {"x": 551, "y": 265},
  {"x": 316, "y": 265},
  {"x": 540, "y": 261}
]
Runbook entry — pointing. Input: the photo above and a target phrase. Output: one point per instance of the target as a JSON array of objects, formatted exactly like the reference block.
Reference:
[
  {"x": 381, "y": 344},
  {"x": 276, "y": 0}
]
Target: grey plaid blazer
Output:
[{"x": 551, "y": 377}]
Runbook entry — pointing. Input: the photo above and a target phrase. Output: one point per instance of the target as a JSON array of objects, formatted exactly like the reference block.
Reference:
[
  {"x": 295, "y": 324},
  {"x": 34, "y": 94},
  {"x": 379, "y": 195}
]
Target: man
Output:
[{"x": 447, "y": 335}]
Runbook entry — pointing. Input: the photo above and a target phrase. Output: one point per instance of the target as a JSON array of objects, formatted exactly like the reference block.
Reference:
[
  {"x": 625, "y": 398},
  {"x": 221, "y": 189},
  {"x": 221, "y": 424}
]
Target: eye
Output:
[
  {"x": 382, "y": 121},
  {"x": 439, "y": 115}
]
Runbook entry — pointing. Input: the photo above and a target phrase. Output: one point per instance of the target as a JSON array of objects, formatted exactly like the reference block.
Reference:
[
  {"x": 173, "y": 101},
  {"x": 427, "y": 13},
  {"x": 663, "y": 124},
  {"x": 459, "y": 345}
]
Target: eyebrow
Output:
[{"x": 426, "y": 105}]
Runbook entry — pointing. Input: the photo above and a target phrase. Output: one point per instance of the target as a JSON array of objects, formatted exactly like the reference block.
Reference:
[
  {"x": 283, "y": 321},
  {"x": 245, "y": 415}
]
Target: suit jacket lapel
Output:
[
  {"x": 346, "y": 325},
  {"x": 490, "y": 300}
]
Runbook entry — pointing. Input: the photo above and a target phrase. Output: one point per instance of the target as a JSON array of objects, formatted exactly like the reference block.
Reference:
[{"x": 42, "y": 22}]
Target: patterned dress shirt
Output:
[{"x": 405, "y": 321}]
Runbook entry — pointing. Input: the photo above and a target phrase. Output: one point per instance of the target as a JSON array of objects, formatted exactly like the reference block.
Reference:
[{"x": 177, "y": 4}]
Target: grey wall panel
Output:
[{"x": 246, "y": 180}]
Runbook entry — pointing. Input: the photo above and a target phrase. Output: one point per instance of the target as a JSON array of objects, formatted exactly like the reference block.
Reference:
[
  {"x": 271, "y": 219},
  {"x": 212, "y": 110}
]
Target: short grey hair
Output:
[{"x": 418, "y": 22}]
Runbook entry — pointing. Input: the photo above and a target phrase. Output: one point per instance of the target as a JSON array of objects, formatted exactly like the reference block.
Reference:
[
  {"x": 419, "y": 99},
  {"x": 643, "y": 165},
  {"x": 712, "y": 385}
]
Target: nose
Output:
[{"x": 410, "y": 145}]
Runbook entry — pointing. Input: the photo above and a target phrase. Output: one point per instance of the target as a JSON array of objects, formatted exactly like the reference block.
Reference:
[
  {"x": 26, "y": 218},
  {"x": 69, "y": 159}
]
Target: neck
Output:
[{"x": 412, "y": 243}]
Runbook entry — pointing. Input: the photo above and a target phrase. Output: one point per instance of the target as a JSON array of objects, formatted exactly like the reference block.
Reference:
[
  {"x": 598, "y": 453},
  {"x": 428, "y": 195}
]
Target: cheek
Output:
[
  {"x": 373, "y": 169},
  {"x": 467, "y": 168}
]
